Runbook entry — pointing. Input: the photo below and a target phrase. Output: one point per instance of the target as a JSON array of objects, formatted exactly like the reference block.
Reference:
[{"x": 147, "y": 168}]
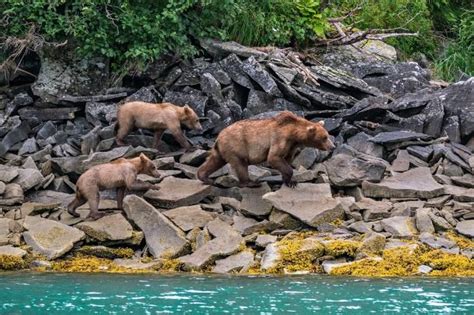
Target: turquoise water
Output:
[{"x": 32, "y": 293}]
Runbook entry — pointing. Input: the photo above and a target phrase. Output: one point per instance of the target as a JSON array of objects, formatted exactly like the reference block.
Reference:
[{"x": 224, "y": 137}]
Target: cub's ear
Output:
[
  {"x": 321, "y": 122},
  {"x": 187, "y": 109},
  {"x": 143, "y": 158},
  {"x": 311, "y": 128}
]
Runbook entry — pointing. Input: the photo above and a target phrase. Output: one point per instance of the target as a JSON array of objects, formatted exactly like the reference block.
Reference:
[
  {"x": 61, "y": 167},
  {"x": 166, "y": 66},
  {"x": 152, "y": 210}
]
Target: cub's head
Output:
[
  {"x": 319, "y": 137},
  {"x": 190, "y": 119},
  {"x": 148, "y": 167}
]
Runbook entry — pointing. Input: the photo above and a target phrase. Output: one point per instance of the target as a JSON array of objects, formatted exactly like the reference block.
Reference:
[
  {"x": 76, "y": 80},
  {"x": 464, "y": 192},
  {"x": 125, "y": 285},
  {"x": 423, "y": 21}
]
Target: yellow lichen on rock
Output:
[
  {"x": 445, "y": 264},
  {"x": 80, "y": 263},
  {"x": 462, "y": 241},
  {"x": 338, "y": 248},
  {"x": 10, "y": 262},
  {"x": 170, "y": 265},
  {"x": 106, "y": 252}
]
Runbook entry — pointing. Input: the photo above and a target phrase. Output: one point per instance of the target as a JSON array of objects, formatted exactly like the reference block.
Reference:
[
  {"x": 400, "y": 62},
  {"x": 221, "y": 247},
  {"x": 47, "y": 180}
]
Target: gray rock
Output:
[
  {"x": 436, "y": 242},
  {"x": 284, "y": 220},
  {"x": 233, "y": 66},
  {"x": 460, "y": 193},
  {"x": 265, "y": 239},
  {"x": 270, "y": 257},
  {"x": 196, "y": 101},
  {"x": 402, "y": 162},
  {"x": 194, "y": 158},
  {"x": 109, "y": 228},
  {"x": 45, "y": 114},
  {"x": 7, "y": 173},
  {"x": 361, "y": 143},
  {"x": 28, "y": 178},
  {"x": 403, "y": 227},
  {"x": 50, "y": 238},
  {"x": 178, "y": 192},
  {"x": 305, "y": 158},
  {"x": 12, "y": 251},
  {"x": 252, "y": 203},
  {"x": 466, "y": 228},
  {"x": 15, "y": 135},
  {"x": 240, "y": 262},
  {"x": 422, "y": 152},
  {"x": 247, "y": 226},
  {"x": 97, "y": 112},
  {"x": 29, "y": 146},
  {"x": 345, "y": 170},
  {"x": 163, "y": 238},
  {"x": 2, "y": 188},
  {"x": 33, "y": 208},
  {"x": 423, "y": 221},
  {"x": 222, "y": 246},
  {"x": 211, "y": 87},
  {"x": 360, "y": 227},
  {"x": 467, "y": 180},
  {"x": 391, "y": 137},
  {"x": 136, "y": 264},
  {"x": 329, "y": 265},
  {"x": 12, "y": 195},
  {"x": 372, "y": 209},
  {"x": 424, "y": 269},
  {"x": 219, "y": 49},
  {"x": 48, "y": 129},
  {"x": 145, "y": 94},
  {"x": 439, "y": 223},
  {"x": 415, "y": 183},
  {"x": 255, "y": 71},
  {"x": 310, "y": 203},
  {"x": 190, "y": 217}
]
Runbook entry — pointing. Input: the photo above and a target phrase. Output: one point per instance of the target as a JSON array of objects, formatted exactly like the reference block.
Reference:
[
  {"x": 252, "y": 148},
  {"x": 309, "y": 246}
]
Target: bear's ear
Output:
[
  {"x": 187, "y": 109},
  {"x": 311, "y": 128},
  {"x": 321, "y": 122},
  {"x": 143, "y": 158}
]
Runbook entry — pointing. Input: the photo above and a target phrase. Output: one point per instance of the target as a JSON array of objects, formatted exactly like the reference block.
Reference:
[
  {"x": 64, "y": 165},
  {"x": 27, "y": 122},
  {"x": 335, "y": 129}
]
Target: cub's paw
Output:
[{"x": 291, "y": 184}]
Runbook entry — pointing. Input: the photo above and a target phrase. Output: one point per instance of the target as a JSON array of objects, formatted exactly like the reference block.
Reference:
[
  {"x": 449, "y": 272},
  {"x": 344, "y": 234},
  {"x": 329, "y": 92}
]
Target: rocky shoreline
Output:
[{"x": 395, "y": 198}]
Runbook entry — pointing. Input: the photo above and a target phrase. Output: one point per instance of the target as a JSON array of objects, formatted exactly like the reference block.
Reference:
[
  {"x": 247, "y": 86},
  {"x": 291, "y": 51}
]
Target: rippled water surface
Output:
[{"x": 30, "y": 293}]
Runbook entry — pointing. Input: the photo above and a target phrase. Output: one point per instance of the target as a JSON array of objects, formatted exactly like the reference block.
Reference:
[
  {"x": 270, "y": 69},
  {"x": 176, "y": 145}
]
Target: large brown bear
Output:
[
  {"x": 120, "y": 174},
  {"x": 274, "y": 140},
  {"x": 158, "y": 117}
]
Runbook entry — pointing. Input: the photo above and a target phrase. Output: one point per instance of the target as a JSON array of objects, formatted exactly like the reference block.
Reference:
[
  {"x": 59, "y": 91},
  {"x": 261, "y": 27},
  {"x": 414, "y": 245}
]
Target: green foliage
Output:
[{"x": 458, "y": 57}]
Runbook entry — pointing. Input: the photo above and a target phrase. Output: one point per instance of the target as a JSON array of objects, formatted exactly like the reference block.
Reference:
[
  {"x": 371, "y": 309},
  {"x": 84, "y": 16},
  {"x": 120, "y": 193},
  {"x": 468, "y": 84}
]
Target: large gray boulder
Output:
[
  {"x": 415, "y": 183},
  {"x": 311, "y": 203},
  {"x": 163, "y": 238},
  {"x": 400, "y": 226},
  {"x": 12, "y": 251},
  {"x": 109, "y": 228},
  {"x": 252, "y": 203},
  {"x": 466, "y": 228},
  {"x": 423, "y": 221},
  {"x": 190, "y": 217},
  {"x": 240, "y": 262},
  {"x": 50, "y": 238},
  {"x": 177, "y": 192}
]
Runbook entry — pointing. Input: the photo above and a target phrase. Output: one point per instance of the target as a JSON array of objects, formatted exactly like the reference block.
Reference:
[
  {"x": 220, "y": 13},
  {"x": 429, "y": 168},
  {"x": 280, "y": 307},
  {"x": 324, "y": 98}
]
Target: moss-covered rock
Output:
[
  {"x": 11, "y": 262},
  {"x": 106, "y": 252},
  {"x": 338, "y": 248}
]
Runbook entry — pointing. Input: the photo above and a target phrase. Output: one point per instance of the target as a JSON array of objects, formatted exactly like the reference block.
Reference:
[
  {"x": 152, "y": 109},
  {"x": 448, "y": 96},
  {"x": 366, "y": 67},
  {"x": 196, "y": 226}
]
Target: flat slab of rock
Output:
[
  {"x": 135, "y": 264},
  {"x": 178, "y": 192},
  {"x": 109, "y": 228},
  {"x": 163, "y": 238},
  {"x": 28, "y": 178},
  {"x": 466, "y": 227},
  {"x": 310, "y": 203},
  {"x": 252, "y": 203},
  {"x": 398, "y": 136},
  {"x": 240, "y": 262},
  {"x": 270, "y": 257},
  {"x": 415, "y": 183},
  {"x": 50, "y": 238},
  {"x": 188, "y": 218},
  {"x": 403, "y": 227},
  {"x": 12, "y": 251},
  {"x": 265, "y": 239},
  {"x": 460, "y": 193},
  {"x": 247, "y": 226}
]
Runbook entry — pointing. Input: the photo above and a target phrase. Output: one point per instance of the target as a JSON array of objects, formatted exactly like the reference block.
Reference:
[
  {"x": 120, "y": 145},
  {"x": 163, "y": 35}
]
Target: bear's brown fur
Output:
[
  {"x": 274, "y": 140},
  {"x": 158, "y": 117},
  {"x": 120, "y": 174}
]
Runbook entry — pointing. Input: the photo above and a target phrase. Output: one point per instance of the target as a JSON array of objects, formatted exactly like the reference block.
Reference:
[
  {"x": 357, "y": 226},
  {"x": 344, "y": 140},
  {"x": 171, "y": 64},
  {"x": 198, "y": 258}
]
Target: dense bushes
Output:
[{"x": 134, "y": 32}]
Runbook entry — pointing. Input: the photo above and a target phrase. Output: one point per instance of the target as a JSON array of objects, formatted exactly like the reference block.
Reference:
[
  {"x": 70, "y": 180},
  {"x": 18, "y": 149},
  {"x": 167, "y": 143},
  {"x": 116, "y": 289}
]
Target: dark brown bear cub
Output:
[
  {"x": 120, "y": 174},
  {"x": 274, "y": 140},
  {"x": 158, "y": 117}
]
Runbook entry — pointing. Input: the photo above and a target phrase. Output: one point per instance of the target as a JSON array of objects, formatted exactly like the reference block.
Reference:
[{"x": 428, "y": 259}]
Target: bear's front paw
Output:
[{"x": 291, "y": 184}]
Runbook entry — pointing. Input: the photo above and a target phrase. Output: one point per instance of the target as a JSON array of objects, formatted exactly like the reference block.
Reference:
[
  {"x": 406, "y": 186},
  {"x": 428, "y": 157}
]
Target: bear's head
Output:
[
  {"x": 148, "y": 167},
  {"x": 319, "y": 137},
  {"x": 190, "y": 119}
]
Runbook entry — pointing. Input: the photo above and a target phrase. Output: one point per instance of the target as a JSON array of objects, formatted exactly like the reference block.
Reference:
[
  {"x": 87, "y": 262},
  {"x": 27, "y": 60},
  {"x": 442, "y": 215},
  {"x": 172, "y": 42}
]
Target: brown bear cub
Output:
[
  {"x": 274, "y": 140},
  {"x": 120, "y": 174},
  {"x": 158, "y": 117}
]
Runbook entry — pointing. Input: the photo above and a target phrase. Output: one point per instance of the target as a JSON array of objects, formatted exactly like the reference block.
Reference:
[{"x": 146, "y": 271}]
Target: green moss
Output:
[{"x": 9, "y": 262}]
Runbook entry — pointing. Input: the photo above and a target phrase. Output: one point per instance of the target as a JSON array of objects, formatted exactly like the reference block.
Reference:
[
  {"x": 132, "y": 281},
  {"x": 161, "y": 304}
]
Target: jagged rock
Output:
[
  {"x": 361, "y": 143},
  {"x": 97, "y": 112},
  {"x": 20, "y": 100},
  {"x": 439, "y": 223},
  {"x": 163, "y": 238},
  {"x": 247, "y": 226},
  {"x": 48, "y": 129},
  {"x": 256, "y": 173},
  {"x": 252, "y": 203},
  {"x": 109, "y": 228},
  {"x": 2, "y": 188},
  {"x": 136, "y": 264},
  {"x": 145, "y": 94},
  {"x": 103, "y": 252},
  {"x": 240, "y": 262},
  {"x": 415, "y": 183},
  {"x": 219, "y": 49},
  {"x": 422, "y": 152},
  {"x": 227, "y": 243},
  {"x": 373, "y": 243},
  {"x": 7, "y": 173},
  {"x": 346, "y": 170},
  {"x": 196, "y": 101},
  {"x": 466, "y": 228},
  {"x": 188, "y": 218},
  {"x": 373, "y": 209},
  {"x": 436, "y": 241},
  {"x": 360, "y": 227},
  {"x": 233, "y": 66},
  {"x": 391, "y": 137},
  {"x": 15, "y": 135},
  {"x": 255, "y": 71},
  {"x": 305, "y": 158},
  {"x": 45, "y": 114},
  {"x": 310, "y": 203},
  {"x": 270, "y": 257},
  {"x": 403, "y": 227},
  {"x": 402, "y": 162},
  {"x": 169, "y": 196},
  {"x": 33, "y": 208},
  {"x": 460, "y": 193},
  {"x": 265, "y": 239},
  {"x": 50, "y": 238},
  {"x": 467, "y": 180},
  {"x": 12, "y": 251},
  {"x": 194, "y": 158},
  {"x": 284, "y": 220},
  {"x": 28, "y": 178},
  {"x": 423, "y": 221},
  {"x": 329, "y": 265},
  {"x": 29, "y": 146},
  {"x": 12, "y": 195}
]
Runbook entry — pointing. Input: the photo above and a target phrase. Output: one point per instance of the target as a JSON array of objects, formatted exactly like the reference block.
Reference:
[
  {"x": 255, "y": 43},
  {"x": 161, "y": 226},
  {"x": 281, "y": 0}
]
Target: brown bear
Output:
[
  {"x": 158, "y": 117},
  {"x": 120, "y": 174},
  {"x": 274, "y": 140}
]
